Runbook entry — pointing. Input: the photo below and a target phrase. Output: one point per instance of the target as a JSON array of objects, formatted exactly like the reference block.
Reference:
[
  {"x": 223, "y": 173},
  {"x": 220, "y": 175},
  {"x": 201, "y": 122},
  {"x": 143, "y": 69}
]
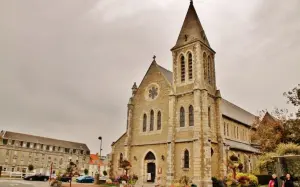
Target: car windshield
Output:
[{"x": 81, "y": 177}]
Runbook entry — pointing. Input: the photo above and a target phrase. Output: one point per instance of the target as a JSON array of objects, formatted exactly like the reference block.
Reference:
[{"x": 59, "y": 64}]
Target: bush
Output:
[
  {"x": 30, "y": 167},
  {"x": 216, "y": 182},
  {"x": 288, "y": 149},
  {"x": 242, "y": 179},
  {"x": 86, "y": 171},
  {"x": 104, "y": 173}
]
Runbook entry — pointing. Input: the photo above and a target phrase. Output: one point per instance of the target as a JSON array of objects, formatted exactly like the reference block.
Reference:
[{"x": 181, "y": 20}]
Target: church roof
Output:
[
  {"x": 234, "y": 112},
  {"x": 191, "y": 29},
  {"x": 168, "y": 74},
  {"x": 241, "y": 146}
]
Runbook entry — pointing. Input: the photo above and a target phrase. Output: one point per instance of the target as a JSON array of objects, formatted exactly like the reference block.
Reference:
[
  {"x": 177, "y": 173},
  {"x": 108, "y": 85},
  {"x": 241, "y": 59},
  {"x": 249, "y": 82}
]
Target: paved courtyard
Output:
[{"x": 22, "y": 183}]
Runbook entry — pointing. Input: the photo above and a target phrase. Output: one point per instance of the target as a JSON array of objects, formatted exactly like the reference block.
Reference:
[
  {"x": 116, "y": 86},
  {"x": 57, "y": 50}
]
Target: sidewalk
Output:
[{"x": 81, "y": 185}]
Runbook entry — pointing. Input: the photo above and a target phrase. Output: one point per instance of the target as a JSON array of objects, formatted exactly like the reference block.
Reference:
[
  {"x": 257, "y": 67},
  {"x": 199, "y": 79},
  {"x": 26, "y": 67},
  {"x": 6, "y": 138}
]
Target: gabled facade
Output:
[{"x": 178, "y": 124}]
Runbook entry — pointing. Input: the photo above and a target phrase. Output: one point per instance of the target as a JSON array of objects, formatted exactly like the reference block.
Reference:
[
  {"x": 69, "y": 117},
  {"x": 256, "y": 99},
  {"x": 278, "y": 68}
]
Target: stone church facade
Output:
[{"x": 178, "y": 124}]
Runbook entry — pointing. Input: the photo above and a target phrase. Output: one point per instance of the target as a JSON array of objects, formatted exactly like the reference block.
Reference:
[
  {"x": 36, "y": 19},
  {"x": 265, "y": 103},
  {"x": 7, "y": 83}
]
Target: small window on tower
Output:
[
  {"x": 182, "y": 69},
  {"x": 190, "y": 66},
  {"x": 182, "y": 117}
]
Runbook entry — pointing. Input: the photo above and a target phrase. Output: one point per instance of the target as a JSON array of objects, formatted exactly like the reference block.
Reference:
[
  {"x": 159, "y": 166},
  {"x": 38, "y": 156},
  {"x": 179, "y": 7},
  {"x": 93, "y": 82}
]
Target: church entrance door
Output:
[
  {"x": 151, "y": 172},
  {"x": 150, "y": 167}
]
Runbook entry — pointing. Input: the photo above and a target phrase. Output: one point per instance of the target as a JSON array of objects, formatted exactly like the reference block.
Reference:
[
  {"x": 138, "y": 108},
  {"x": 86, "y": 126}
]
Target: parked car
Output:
[
  {"x": 37, "y": 177},
  {"x": 85, "y": 179},
  {"x": 65, "y": 179}
]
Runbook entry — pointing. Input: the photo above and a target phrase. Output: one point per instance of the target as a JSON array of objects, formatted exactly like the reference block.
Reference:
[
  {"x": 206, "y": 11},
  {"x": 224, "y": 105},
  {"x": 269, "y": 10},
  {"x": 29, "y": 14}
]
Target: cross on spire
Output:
[
  {"x": 154, "y": 57},
  {"x": 191, "y": 1}
]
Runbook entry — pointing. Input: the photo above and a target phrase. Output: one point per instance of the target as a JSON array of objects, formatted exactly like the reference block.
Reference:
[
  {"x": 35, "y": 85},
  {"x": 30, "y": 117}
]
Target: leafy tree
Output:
[
  {"x": 86, "y": 171},
  {"x": 269, "y": 133},
  {"x": 293, "y": 97},
  {"x": 30, "y": 167}
]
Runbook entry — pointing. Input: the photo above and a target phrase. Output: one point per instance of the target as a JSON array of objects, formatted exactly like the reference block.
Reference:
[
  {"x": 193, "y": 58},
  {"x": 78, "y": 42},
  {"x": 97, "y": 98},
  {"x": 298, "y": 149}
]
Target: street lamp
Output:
[{"x": 100, "y": 138}]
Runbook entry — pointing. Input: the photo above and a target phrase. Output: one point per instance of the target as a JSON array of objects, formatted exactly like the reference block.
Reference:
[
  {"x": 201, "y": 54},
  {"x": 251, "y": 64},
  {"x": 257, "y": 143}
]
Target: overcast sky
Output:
[{"x": 67, "y": 67}]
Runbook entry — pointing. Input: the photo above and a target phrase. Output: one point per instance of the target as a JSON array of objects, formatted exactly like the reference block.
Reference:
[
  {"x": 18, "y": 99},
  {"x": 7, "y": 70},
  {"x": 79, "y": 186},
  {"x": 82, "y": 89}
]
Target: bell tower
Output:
[{"x": 193, "y": 58}]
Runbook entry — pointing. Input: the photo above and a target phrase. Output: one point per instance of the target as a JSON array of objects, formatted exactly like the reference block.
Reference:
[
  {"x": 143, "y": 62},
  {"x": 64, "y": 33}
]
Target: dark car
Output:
[
  {"x": 65, "y": 179},
  {"x": 37, "y": 177},
  {"x": 85, "y": 179}
]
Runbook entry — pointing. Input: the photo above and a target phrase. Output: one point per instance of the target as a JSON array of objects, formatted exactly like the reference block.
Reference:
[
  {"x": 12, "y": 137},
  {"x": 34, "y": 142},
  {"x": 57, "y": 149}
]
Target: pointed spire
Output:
[
  {"x": 191, "y": 29},
  {"x": 134, "y": 88}
]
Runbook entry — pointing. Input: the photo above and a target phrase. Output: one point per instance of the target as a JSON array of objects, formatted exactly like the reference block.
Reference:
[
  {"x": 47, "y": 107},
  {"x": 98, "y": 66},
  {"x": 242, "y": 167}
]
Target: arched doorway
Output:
[{"x": 150, "y": 166}]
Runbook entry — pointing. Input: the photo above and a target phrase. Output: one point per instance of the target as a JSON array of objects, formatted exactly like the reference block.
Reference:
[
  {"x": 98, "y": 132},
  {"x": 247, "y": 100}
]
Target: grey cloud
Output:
[{"x": 68, "y": 66}]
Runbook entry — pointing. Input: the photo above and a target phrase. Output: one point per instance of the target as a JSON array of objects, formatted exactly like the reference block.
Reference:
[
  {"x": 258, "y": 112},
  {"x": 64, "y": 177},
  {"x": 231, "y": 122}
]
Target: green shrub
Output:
[{"x": 288, "y": 149}]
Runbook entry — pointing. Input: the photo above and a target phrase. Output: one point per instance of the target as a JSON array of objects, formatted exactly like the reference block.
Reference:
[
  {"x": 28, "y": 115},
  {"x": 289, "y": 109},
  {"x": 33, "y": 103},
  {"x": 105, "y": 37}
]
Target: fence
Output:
[{"x": 17, "y": 174}]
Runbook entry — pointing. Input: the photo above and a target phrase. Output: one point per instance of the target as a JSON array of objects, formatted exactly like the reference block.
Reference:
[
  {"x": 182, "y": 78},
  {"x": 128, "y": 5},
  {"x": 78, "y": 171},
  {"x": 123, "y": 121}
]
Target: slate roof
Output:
[
  {"x": 234, "y": 112},
  {"x": 168, "y": 74},
  {"x": 241, "y": 146},
  {"x": 44, "y": 140}
]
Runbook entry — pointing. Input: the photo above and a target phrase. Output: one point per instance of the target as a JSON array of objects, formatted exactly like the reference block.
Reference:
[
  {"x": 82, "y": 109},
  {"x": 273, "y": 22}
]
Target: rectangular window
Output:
[
  {"x": 47, "y": 147},
  {"x": 67, "y": 150},
  {"x": 34, "y": 145},
  {"x": 74, "y": 151},
  {"x": 13, "y": 142},
  {"x": 5, "y": 141},
  {"x": 21, "y": 144},
  {"x": 227, "y": 126},
  {"x": 224, "y": 129},
  {"x": 237, "y": 132},
  {"x": 28, "y": 145},
  {"x": 81, "y": 152},
  {"x": 53, "y": 149}
]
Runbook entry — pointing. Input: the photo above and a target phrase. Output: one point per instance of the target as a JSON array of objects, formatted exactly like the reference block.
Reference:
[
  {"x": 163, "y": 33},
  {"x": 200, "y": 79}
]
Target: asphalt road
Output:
[{"x": 22, "y": 183}]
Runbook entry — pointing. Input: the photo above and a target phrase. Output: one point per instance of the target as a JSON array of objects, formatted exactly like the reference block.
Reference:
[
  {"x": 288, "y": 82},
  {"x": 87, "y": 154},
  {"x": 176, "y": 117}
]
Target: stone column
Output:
[
  {"x": 171, "y": 139},
  {"x": 196, "y": 138},
  {"x": 205, "y": 143},
  {"x": 127, "y": 142},
  {"x": 220, "y": 137}
]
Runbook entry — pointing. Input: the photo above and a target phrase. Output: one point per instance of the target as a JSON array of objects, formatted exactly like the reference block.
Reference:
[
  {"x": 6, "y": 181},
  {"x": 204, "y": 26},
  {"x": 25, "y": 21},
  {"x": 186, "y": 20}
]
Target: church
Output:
[{"x": 178, "y": 123}]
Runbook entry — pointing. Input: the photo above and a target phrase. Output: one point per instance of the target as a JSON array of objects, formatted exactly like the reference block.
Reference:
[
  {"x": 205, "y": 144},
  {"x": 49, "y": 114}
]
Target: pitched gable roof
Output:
[
  {"x": 44, "y": 140},
  {"x": 234, "y": 112},
  {"x": 168, "y": 74}
]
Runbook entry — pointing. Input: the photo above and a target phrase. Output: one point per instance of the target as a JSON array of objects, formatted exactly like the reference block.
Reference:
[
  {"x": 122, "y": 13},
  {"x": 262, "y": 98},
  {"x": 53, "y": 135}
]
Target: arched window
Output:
[
  {"x": 158, "y": 120},
  {"x": 121, "y": 159},
  {"x": 209, "y": 116},
  {"x": 186, "y": 159},
  {"x": 191, "y": 116},
  {"x": 182, "y": 67},
  {"x": 182, "y": 120},
  {"x": 151, "y": 120},
  {"x": 205, "y": 65},
  {"x": 209, "y": 70},
  {"x": 144, "y": 122},
  {"x": 190, "y": 66}
]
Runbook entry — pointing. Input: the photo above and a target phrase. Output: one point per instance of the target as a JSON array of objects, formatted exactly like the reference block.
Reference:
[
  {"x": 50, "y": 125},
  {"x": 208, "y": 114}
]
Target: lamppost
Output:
[{"x": 100, "y": 138}]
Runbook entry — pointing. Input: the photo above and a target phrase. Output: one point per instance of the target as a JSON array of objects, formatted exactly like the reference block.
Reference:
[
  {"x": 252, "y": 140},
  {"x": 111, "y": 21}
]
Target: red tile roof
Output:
[{"x": 94, "y": 160}]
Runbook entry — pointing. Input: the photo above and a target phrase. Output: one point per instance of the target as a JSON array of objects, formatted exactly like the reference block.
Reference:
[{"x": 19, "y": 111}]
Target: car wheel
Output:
[
  {"x": 30, "y": 179},
  {"x": 45, "y": 179}
]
